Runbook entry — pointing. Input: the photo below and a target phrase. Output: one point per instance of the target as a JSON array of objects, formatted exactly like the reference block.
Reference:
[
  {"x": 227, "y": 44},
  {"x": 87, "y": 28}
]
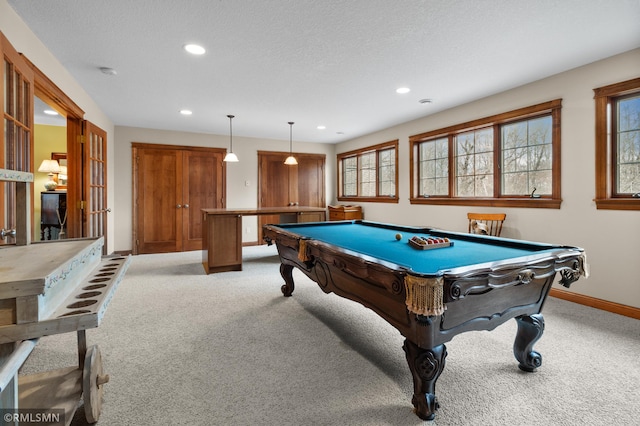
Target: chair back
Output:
[{"x": 486, "y": 223}]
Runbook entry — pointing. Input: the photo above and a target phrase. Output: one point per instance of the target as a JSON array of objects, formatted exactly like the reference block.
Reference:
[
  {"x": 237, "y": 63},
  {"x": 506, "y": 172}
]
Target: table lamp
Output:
[{"x": 50, "y": 167}]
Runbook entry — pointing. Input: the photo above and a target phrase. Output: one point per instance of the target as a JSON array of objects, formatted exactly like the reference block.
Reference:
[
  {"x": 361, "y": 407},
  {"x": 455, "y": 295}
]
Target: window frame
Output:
[
  {"x": 359, "y": 152},
  {"x": 605, "y": 96},
  {"x": 552, "y": 201}
]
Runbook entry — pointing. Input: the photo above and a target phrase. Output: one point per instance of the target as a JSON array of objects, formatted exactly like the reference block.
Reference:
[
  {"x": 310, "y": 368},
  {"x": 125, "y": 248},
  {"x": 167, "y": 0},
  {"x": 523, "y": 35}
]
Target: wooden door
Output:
[
  {"x": 94, "y": 186},
  {"x": 282, "y": 185},
  {"x": 171, "y": 186},
  {"x": 16, "y": 139},
  {"x": 157, "y": 228},
  {"x": 202, "y": 188}
]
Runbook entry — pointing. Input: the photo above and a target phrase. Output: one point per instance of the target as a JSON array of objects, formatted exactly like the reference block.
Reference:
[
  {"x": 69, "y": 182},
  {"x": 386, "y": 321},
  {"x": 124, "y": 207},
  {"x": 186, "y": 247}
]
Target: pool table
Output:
[{"x": 467, "y": 282}]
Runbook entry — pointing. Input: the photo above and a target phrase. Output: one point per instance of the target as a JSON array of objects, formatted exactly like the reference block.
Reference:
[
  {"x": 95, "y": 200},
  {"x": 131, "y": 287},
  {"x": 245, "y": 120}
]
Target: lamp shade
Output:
[
  {"x": 63, "y": 173},
  {"x": 231, "y": 158},
  {"x": 291, "y": 161},
  {"x": 49, "y": 166}
]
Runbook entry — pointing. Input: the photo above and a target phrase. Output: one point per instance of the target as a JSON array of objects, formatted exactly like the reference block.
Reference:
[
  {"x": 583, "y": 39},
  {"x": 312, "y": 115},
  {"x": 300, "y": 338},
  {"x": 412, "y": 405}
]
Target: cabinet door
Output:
[
  {"x": 274, "y": 178},
  {"x": 223, "y": 243},
  {"x": 282, "y": 185},
  {"x": 310, "y": 181}
]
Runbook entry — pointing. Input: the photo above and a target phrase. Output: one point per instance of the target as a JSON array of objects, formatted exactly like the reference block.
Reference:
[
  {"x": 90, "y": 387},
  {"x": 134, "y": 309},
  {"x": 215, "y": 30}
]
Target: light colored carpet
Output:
[{"x": 185, "y": 348}]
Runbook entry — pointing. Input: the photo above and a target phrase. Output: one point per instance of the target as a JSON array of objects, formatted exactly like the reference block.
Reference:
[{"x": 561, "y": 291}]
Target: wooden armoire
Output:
[
  {"x": 282, "y": 185},
  {"x": 171, "y": 184}
]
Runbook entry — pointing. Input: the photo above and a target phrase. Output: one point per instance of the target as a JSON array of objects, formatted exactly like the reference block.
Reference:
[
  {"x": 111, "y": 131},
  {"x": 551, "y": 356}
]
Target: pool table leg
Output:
[
  {"x": 287, "y": 274},
  {"x": 530, "y": 328},
  {"x": 426, "y": 365}
]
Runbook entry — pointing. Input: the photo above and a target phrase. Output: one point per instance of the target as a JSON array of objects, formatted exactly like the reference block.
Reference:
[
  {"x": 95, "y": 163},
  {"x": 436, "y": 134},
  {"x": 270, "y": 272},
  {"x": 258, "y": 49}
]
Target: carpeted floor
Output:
[{"x": 185, "y": 348}]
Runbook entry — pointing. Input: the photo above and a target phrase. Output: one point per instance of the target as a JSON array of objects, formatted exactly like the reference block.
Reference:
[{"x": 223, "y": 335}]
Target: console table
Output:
[
  {"x": 222, "y": 232},
  {"x": 53, "y": 214}
]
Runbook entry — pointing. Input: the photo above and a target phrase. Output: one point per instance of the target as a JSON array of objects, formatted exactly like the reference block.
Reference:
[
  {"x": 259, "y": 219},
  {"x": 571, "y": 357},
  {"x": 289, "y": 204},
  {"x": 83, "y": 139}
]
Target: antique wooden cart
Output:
[{"x": 49, "y": 288}]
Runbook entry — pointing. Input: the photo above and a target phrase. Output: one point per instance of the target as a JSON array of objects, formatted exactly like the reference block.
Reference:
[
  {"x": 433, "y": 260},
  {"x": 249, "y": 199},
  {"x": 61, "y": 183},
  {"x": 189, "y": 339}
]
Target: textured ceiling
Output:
[{"x": 334, "y": 62}]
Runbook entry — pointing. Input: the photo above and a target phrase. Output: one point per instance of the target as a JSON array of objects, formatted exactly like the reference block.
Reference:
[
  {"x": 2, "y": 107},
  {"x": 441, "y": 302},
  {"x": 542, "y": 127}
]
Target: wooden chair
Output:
[{"x": 486, "y": 223}]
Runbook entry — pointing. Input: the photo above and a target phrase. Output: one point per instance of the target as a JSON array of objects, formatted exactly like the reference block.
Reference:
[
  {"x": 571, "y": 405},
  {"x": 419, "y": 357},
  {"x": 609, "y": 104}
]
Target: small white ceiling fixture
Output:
[
  {"x": 194, "y": 49},
  {"x": 186, "y": 112},
  {"x": 108, "y": 71},
  {"x": 403, "y": 90}
]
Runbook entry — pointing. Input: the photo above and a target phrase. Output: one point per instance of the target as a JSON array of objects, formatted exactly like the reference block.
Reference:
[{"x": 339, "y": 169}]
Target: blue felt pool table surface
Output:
[{"x": 379, "y": 241}]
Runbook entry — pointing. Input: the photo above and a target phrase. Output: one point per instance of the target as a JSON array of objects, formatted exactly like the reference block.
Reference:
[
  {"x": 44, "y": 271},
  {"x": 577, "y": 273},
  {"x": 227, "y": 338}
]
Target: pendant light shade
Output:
[
  {"x": 291, "y": 160},
  {"x": 230, "y": 157}
]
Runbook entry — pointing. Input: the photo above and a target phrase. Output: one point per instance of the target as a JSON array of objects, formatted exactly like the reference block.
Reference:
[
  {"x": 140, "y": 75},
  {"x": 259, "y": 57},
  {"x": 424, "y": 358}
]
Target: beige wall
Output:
[
  {"x": 610, "y": 238},
  {"x": 48, "y": 139},
  {"x": 25, "y": 42},
  {"x": 242, "y": 177}
]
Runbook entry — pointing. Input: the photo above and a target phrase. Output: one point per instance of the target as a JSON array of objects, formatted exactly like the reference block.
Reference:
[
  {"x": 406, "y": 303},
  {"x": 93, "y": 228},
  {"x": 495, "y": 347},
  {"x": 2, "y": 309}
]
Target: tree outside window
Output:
[
  {"x": 618, "y": 146},
  {"x": 369, "y": 174},
  {"x": 510, "y": 159}
]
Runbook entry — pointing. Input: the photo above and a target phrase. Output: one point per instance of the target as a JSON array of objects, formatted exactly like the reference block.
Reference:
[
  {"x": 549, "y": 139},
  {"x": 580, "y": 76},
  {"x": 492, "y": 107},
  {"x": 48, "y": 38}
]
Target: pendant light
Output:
[
  {"x": 291, "y": 160},
  {"x": 231, "y": 157}
]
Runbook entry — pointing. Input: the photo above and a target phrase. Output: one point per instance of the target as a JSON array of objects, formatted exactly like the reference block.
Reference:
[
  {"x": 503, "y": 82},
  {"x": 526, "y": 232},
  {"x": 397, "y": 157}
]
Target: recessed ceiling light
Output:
[
  {"x": 403, "y": 90},
  {"x": 194, "y": 49},
  {"x": 108, "y": 71},
  {"x": 185, "y": 112},
  {"x": 50, "y": 112},
  {"x": 321, "y": 127},
  {"x": 425, "y": 101}
]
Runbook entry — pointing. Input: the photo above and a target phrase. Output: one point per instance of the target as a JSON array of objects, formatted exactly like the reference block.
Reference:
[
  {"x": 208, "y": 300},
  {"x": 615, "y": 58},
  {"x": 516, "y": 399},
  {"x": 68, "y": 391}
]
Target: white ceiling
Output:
[{"x": 317, "y": 62}]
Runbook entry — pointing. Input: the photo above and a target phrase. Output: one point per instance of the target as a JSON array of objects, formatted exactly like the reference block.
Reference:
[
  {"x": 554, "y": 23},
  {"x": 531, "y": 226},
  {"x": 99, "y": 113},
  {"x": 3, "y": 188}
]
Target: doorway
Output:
[{"x": 49, "y": 150}]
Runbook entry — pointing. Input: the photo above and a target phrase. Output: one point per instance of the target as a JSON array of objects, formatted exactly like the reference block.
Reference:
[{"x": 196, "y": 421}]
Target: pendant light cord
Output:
[
  {"x": 291, "y": 137},
  {"x": 230, "y": 132}
]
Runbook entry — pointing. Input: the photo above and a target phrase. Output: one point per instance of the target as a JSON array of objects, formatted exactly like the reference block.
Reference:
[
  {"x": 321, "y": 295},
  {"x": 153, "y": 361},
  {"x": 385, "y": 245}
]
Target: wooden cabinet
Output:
[
  {"x": 171, "y": 186},
  {"x": 53, "y": 215},
  {"x": 343, "y": 212},
  {"x": 222, "y": 243},
  {"x": 222, "y": 232},
  {"x": 280, "y": 185}
]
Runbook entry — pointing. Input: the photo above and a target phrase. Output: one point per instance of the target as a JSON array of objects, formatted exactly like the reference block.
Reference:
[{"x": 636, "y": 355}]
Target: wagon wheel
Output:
[{"x": 93, "y": 378}]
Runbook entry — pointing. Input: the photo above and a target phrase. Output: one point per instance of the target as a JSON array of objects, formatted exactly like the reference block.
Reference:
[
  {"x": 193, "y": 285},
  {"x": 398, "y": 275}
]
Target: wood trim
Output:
[
  {"x": 142, "y": 145},
  {"x": 518, "y": 114},
  {"x": 524, "y": 202},
  {"x": 617, "y": 89},
  {"x": 604, "y": 169},
  {"x": 392, "y": 144},
  {"x": 552, "y": 201},
  {"x": 604, "y": 305},
  {"x": 295, "y": 154},
  {"x": 378, "y": 147},
  {"x": 51, "y": 94}
]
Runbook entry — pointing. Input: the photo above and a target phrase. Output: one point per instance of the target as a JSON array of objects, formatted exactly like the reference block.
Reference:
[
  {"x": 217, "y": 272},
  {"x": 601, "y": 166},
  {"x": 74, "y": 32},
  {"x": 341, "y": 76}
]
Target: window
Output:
[
  {"x": 369, "y": 174},
  {"x": 510, "y": 160},
  {"x": 618, "y": 146}
]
